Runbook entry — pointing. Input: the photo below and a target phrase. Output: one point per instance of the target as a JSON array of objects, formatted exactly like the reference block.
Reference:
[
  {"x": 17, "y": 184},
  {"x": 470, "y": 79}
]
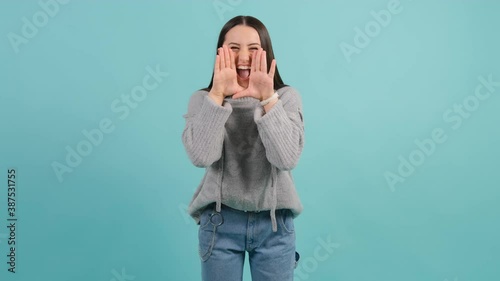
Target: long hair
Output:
[{"x": 265, "y": 41}]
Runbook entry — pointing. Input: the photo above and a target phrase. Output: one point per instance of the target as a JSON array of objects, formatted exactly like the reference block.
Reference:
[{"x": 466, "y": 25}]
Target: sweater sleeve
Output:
[
  {"x": 204, "y": 131},
  {"x": 282, "y": 130}
]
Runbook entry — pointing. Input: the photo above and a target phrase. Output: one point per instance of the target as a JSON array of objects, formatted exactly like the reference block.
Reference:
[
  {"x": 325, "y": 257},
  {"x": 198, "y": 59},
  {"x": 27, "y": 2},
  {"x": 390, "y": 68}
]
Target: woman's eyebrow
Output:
[{"x": 248, "y": 44}]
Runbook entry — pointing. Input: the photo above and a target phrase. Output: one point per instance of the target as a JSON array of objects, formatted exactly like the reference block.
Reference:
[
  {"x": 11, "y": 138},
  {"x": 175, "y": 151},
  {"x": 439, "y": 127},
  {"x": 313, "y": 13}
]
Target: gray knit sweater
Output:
[{"x": 248, "y": 154}]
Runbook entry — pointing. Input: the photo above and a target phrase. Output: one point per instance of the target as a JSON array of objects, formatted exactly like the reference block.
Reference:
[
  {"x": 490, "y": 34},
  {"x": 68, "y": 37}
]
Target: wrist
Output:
[
  {"x": 270, "y": 99},
  {"x": 267, "y": 95},
  {"x": 218, "y": 98},
  {"x": 270, "y": 105}
]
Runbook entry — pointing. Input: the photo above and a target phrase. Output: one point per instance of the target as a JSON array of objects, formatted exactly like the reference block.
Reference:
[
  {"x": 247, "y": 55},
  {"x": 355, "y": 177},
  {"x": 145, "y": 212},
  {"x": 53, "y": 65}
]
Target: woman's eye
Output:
[{"x": 234, "y": 48}]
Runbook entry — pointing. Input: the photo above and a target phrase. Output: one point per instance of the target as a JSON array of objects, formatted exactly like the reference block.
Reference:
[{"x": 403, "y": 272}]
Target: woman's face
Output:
[{"x": 243, "y": 41}]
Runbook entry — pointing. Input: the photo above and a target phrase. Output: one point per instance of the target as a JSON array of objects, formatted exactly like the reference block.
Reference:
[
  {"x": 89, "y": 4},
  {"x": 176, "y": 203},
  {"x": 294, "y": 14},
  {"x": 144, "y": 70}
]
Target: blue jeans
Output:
[{"x": 225, "y": 237}]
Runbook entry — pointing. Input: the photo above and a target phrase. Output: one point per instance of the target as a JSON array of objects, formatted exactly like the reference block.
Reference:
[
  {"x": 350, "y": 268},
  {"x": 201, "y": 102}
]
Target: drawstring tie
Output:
[
  {"x": 219, "y": 195},
  {"x": 273, "y": 207}
]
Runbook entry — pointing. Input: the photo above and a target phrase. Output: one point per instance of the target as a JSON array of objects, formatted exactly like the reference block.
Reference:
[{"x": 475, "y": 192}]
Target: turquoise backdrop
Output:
[{"x": 399, "y": 176}]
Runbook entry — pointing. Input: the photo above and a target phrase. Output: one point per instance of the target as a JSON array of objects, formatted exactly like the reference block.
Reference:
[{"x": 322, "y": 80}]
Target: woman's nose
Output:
[{"x": 244, "y": 55}]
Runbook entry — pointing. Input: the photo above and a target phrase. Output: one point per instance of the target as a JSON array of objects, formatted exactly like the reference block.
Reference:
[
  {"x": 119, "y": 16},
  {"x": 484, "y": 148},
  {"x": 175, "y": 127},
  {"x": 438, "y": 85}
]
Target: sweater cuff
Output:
[
  {"x": 272, "y": 120},
  {"x": 212, "y": 115}
]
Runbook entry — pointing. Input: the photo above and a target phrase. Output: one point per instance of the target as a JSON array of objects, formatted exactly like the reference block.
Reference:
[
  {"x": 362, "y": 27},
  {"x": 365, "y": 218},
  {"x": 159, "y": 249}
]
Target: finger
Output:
[
  {"x": 226, "y": 54},
  {"x": 217, "y": 64},
  {"x": 257, "y": 59},
  {"x": 231, "y": 56},
  {"x": 252, "y": 66},
  {"x": 272, "y": 69},
  {"x": 241, "y": 94},
  {"x": 222, "y": 58},
  {"x": 263, "y": 62}
]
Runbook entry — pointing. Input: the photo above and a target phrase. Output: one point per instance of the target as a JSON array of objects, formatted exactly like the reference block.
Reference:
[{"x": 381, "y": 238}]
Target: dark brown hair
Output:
[{"x": 265, "y": 41}]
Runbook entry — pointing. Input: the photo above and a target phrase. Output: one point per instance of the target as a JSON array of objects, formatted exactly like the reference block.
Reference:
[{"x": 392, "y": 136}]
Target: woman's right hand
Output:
[{"x": 224, "y": 82}]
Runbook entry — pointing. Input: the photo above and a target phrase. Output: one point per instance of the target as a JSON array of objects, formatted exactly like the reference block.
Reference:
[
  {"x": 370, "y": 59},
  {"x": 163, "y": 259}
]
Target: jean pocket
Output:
[
  {"x": 286, "y": 221},
  {"x": 206, "y": 237},
  {"x": 204, "y": 218}
]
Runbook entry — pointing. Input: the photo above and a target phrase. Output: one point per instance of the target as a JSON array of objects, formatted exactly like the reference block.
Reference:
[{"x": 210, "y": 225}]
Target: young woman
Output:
[{"x": 246, "y": 128}]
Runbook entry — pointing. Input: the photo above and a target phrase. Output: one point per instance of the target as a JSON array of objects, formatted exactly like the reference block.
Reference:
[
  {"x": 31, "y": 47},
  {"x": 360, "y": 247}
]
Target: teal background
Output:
[{"x": 123, "y": 207}]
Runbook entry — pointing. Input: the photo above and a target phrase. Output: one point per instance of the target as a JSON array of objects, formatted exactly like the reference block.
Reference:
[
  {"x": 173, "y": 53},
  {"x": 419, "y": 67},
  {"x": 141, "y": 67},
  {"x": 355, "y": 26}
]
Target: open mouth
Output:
[{"x": 243, "y": 72}]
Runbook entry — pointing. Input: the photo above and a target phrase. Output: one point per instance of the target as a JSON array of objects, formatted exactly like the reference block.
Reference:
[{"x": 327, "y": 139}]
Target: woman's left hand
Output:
[{"x": 261, "y": 83}]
